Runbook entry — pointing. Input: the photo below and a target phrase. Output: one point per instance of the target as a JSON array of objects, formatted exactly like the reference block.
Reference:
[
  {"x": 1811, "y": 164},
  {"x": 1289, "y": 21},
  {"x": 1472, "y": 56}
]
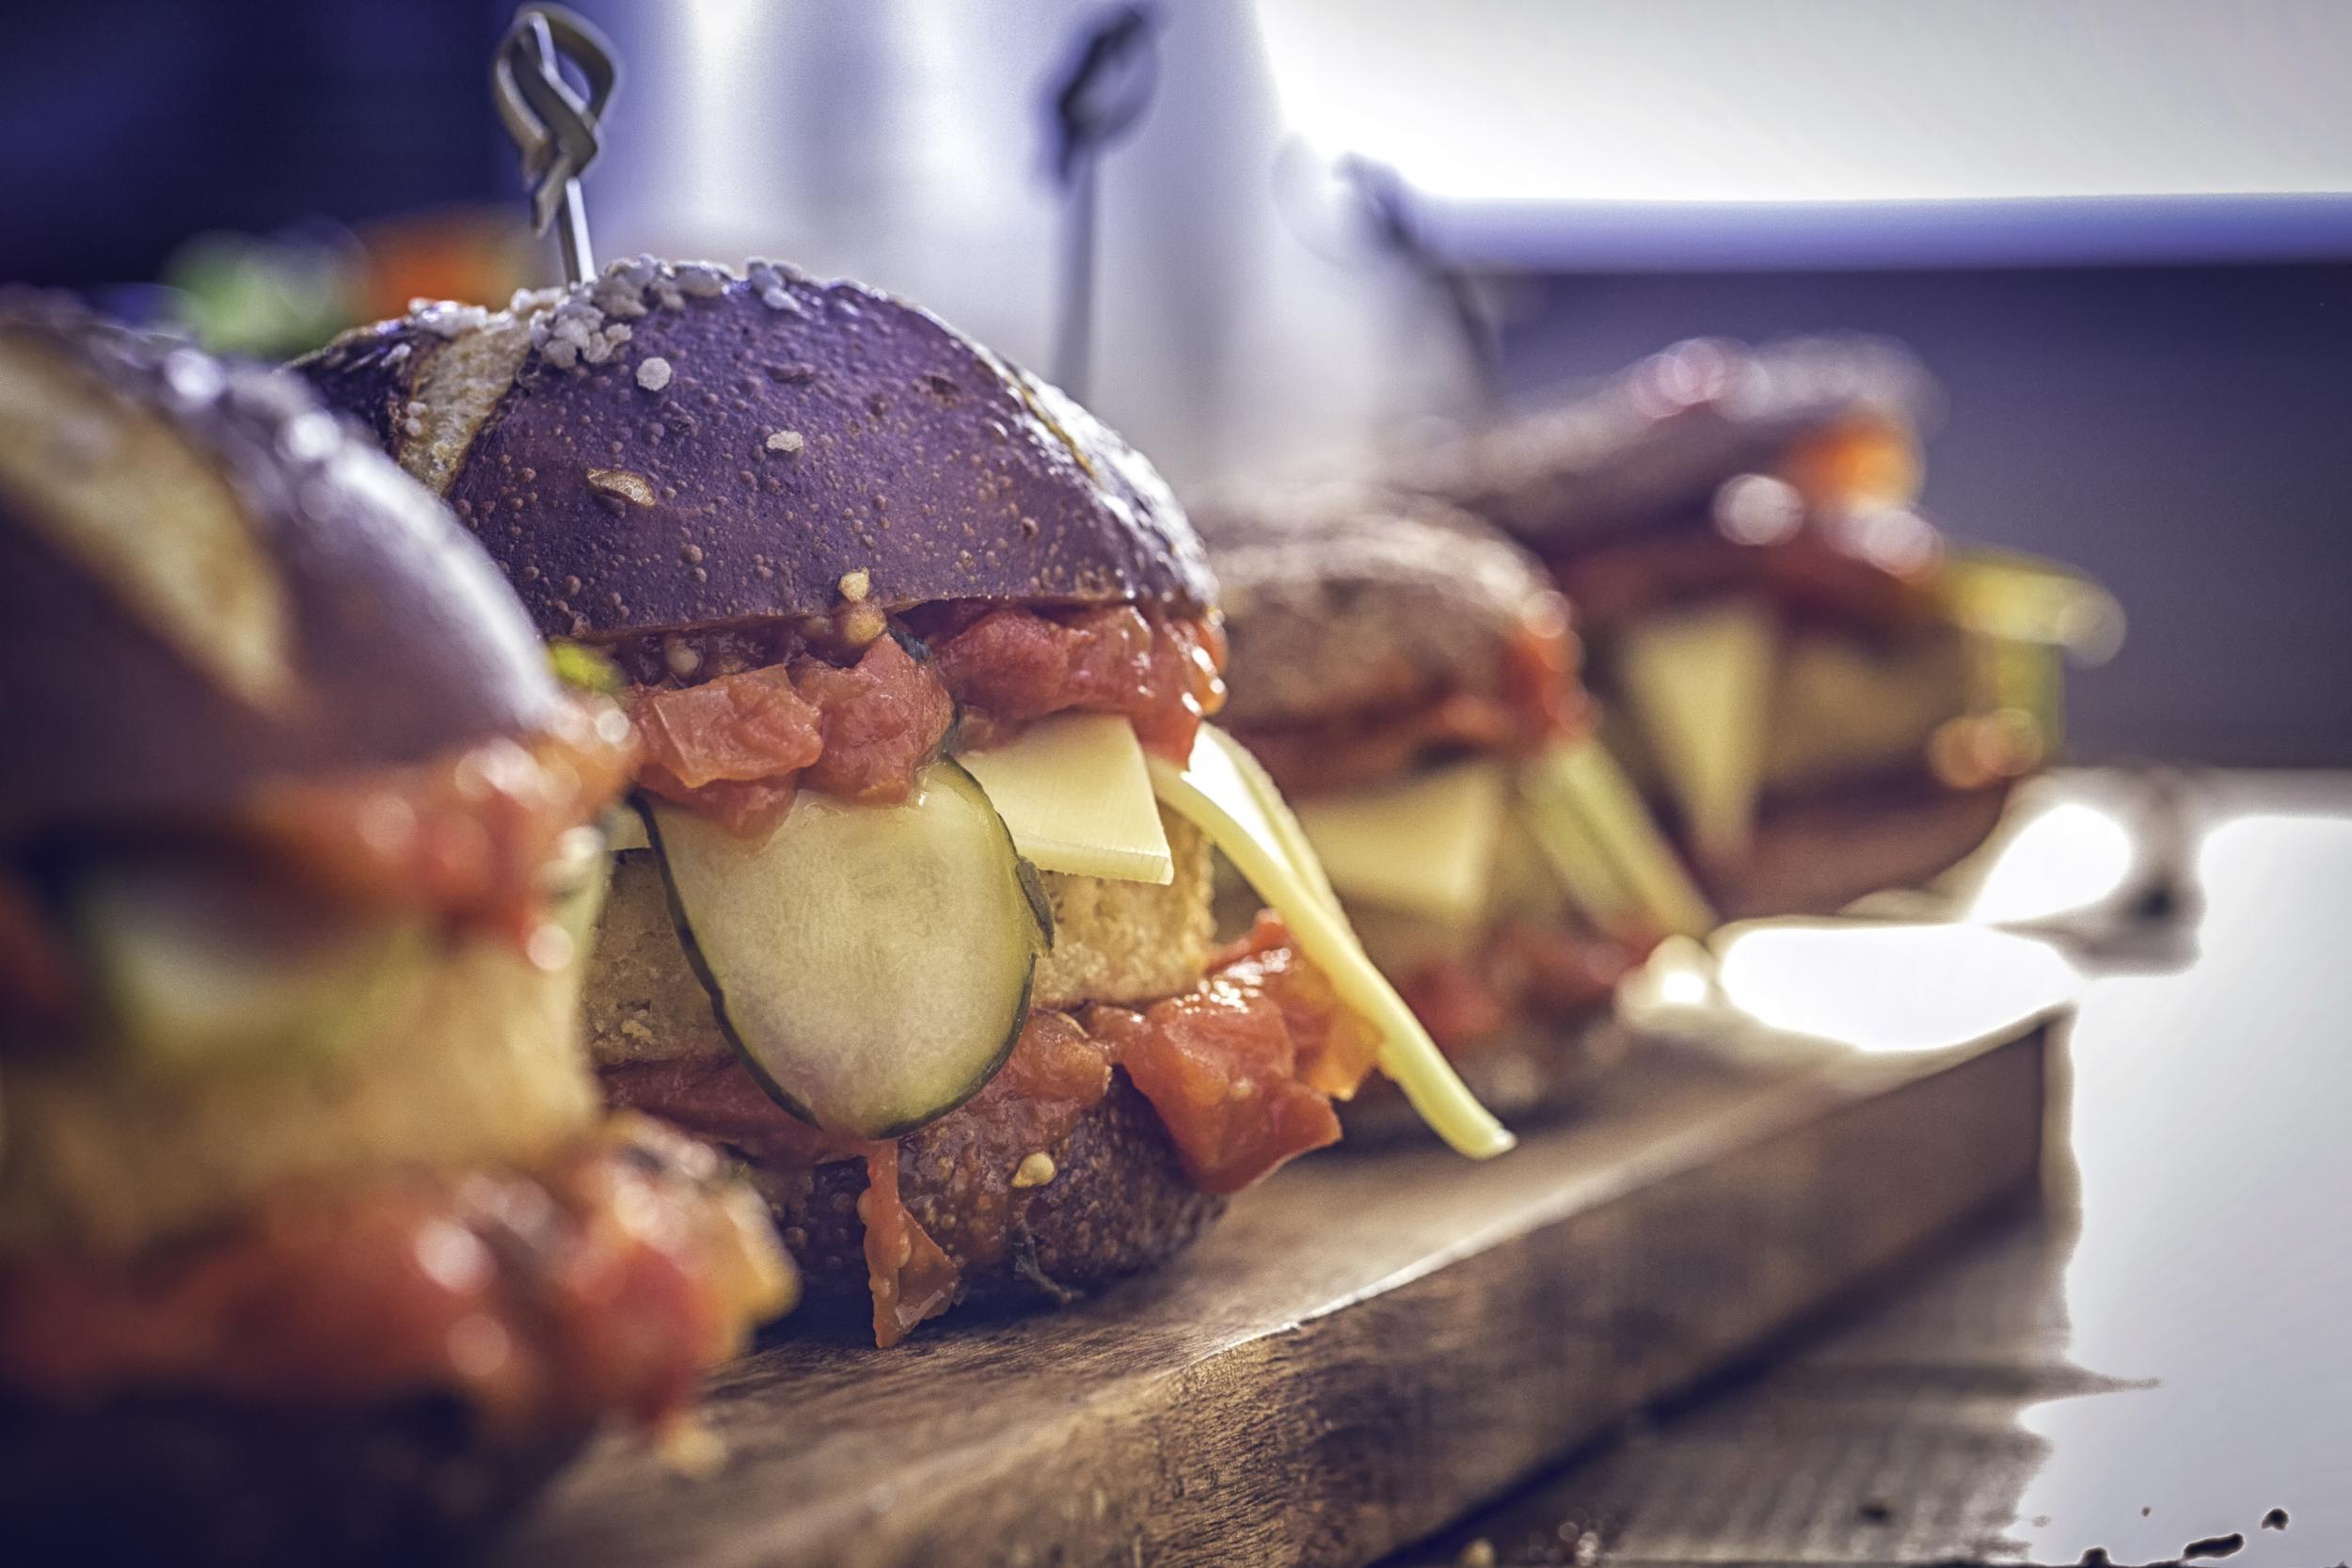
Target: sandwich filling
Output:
[
  {"x": 1422, "y": 813},
  {"x": 1238, "y": 1053},
  {"x": 291, "y": 1111},
  {"x": 600, "y": 1280}
]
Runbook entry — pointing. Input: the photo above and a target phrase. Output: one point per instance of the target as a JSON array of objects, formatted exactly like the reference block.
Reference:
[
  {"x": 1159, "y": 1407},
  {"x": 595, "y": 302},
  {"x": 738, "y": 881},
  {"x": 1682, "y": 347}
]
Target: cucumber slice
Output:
[
  {"x": 202, "y": 968},
  {"x": 871, "y": 963},
  {"x": 578, "y": 878}
]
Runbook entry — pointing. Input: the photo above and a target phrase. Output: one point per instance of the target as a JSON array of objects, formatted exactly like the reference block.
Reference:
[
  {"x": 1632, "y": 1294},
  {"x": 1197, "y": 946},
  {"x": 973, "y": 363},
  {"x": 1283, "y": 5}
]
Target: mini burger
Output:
[
  {"x": 311, "y": 1246},
  {"x": 1824, "y": 697},
  {"x": 918, "y": 927},
  {"x": 1408, "y": 677}
]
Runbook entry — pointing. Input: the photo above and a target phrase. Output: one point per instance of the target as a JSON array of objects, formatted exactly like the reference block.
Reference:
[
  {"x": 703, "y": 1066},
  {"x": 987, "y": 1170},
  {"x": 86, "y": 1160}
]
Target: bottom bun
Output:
[
  {"x": 1815, "y": 857},
  {"x": 1119, "y": 1202},
  {"x": 190, "y": 1481},
  {"x": 1535, "y": 1073}
]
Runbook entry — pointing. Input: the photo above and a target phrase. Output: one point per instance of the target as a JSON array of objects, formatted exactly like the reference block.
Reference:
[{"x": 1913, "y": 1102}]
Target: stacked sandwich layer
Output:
[
  {"x": 299, "y": 1166},
  {"x": 1822, "y": 695},
  {"x": 1411, "y": 678}
]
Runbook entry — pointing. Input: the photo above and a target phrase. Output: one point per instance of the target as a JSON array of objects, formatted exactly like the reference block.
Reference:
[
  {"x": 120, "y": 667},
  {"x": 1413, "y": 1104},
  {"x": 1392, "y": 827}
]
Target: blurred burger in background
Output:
[
  {"x": 1821, "y": 694},
  {"x": 1411, "y": 678},
  {"x": 312, "y": 1243}
]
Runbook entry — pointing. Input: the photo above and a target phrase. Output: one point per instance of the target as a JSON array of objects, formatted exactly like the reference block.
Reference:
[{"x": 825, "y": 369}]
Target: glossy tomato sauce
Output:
[
  {"x": 471, "y": 833},
  {"x": 1524, "y": 972},
  {"x": 1241, "y": 1072},
  {"x": 545, "y": 1300},
  {"x": 737, "y": 720},
  {"x": 1538, "y": 701}
]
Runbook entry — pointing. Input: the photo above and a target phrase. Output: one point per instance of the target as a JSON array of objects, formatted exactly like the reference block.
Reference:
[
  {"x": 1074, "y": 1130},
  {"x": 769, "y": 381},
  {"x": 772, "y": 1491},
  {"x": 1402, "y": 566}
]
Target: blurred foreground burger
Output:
[
  {"x": 1410, "y": 678},
  {"x": 310, "y": 1245},
  {"x": 1825, "y": 697},
  {"x": 919, "y": 926}
]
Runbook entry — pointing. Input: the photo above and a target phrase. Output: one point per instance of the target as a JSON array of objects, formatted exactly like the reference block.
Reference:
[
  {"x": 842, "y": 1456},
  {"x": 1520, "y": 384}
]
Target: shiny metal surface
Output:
[{"x": 551, "y": 124}]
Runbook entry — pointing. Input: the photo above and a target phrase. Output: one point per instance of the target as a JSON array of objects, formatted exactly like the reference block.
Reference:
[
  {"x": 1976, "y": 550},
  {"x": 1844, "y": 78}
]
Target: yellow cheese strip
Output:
[
  {"x": 1573, "y": 850},
  {"x": 1580, "y": 784},
  {"x": 1425, "y": 846},
  {"x": 1280, "y": 820},
  {"x": 1224, "y": 792},
  {"x": 1074, "y": 793},
  {"x": 1700, "y": 684},
  {"x": 2022, "y": 598}
]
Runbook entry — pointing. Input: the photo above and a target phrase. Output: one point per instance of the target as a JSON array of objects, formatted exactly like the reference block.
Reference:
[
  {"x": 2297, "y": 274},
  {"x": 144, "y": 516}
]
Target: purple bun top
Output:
[
  {"x": 206, "y": 584},
  {"x": 673, "y": 447}
]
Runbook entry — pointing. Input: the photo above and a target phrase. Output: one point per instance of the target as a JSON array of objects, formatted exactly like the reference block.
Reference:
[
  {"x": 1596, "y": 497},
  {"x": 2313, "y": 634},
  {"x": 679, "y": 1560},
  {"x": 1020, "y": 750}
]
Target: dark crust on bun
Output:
[
  {"x": 1118, "y": 1203},
  {"x": 1535, "y": 1074},
  {"x": 1342, "y": 602},
  {"x": 1815, "y": 856},
  {"x": 805, "y": 431},
  {"x": 192, "y": 1481},
  {"x": 402, "y": 642},
  {"x": 1650, "y": 447}
]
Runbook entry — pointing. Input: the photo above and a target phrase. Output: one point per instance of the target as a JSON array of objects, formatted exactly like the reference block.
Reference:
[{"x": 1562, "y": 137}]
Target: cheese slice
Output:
[
  {"x": 623, "y": 829},
  {"x": 1425, "y": 846},
  {"x": 1599, "y": 835},
  {"x": 1222, "y": 791},
  {"x": 1700, "y": 686},
  {"x": 1074, "y": 793}
]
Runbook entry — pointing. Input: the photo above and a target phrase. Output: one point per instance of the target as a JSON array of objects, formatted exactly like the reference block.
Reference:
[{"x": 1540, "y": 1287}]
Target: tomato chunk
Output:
[
  {"x": 751, "y": 725},
  {"x": 1015, "y": 666},
  {"x": 542, "y": 1298},
  {"x": 1539, "y": 700},
  {"x": 882, "y": 718},
  {"x": 1243, "y": 1069},
  {"x": 738, "y": 746}
]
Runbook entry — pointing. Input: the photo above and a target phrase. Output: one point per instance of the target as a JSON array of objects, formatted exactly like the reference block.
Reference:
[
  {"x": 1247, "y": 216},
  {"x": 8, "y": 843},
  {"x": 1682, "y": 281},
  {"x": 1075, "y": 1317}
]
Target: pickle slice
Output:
[
  {"x": 201, "y": 968},
  {"x": 871, "y": 963}
]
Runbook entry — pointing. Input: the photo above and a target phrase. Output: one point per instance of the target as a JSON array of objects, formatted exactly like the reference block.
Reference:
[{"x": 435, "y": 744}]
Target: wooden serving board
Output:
[{"x": 1368, "y": 1346}]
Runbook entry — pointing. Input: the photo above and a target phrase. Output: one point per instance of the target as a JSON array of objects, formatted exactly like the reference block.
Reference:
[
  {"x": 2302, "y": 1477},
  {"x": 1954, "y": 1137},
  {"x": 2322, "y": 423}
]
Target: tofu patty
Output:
[{"x": 104, "y": 1154}]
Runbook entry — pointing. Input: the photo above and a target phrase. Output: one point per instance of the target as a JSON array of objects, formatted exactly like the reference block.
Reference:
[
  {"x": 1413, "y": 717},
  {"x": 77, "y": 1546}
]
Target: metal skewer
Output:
[
  {"x": 551, "y": 124},
  {"x": 1388, "y": 206},
  {"x": 1100, "y": 99}
]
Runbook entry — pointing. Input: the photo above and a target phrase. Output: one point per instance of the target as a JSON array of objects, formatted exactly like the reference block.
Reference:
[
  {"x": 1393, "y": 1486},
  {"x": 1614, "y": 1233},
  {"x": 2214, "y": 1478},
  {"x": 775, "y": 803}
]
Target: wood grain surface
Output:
[{"x": 1367, "y": 1347}]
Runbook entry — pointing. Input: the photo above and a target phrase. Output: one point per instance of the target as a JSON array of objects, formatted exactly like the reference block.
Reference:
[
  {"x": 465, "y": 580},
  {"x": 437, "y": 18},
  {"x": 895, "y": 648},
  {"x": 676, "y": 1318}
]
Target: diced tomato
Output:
[
  {"x": 739, "y": 746},
  {"x": 751, "y": 725},
  {"x": 1541, "y": 680},
  {"x": 1540, "y": 700},
  {"x": 1015, "y": 666},
  {"x": 1455, "y": 1003},
  {"x": 1336, "y": 1047},
  {"x": 598, "y": 1285},
  {"x": 1524, "y": 971},
  {"x": 737, "y": 742},
  {"x": 469, "y": 832},
  {"x": 1241, "y": 1069},
  {"x": 883, "y": 716},
  {"x": 1561, "y": 970},
  {"x": 911, "y": 1279}
]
